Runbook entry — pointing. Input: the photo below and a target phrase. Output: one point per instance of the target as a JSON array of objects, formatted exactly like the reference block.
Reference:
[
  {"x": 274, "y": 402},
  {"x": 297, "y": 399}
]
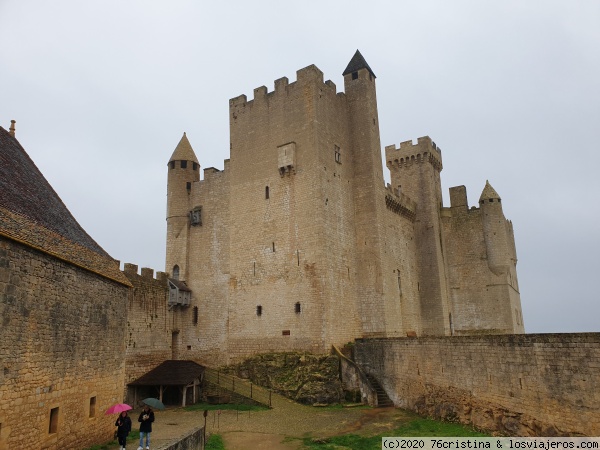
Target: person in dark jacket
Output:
[
  {"x": 123, "y": 425},
  {"x": 146, "y": 418}
]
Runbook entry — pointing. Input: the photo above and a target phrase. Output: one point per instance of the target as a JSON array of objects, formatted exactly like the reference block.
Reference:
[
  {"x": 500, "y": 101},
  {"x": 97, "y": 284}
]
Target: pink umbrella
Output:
[{"x": 118, "y": 408}]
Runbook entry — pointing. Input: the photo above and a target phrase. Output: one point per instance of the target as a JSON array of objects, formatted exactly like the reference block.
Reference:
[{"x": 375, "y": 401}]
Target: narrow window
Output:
[
  {"x": 183, "y": 164},
  {"x": 92, "y": 406},
  {"x": 297, "y": 308},
  {"x": 338, "y": 154},
  {"x": 254, "y": 268},
  {"x": 176, "y": 272},
  {"x": 259, "y": 310},
  {"x": 194, "y": 166},
  {"x": 451, "y": 324},
  {"x": 188, "y": 185},
  {"x": 53, "y": 428},
  {"x": 399, "y": 283},
  {"x": 267, "y": 192},
  {"x": 273, "y": 247},
  {"x": 195, "y": 316},
  {"x": 354, "y": 75}
]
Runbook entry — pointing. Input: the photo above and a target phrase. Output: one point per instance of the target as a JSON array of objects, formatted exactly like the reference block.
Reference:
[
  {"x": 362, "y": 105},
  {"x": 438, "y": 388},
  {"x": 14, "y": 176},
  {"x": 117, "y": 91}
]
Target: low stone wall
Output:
[
  {"x": 518, "y": 385},
  {"x": 191, "y": 441}
]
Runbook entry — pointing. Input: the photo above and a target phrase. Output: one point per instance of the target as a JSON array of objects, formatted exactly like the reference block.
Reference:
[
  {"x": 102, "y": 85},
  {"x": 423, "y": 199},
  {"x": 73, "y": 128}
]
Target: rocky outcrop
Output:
[{"x": 303, "y": 377}]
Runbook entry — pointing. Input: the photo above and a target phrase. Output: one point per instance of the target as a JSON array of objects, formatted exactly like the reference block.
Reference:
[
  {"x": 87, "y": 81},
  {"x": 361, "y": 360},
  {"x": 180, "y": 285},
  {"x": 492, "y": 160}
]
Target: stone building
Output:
[
  {"x": 298, "y": 244},
  {"x": 63, "y": 303}
]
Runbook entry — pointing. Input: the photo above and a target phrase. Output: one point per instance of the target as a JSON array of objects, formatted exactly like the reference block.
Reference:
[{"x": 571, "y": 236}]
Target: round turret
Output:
[
  {"x": 184, "y": 171},
  {"x": 495, "y": 230}
]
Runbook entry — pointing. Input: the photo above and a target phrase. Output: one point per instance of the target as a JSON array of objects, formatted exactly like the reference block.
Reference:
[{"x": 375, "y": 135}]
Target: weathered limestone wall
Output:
[
  {"x": 483, "y": 302},
  {"x": 297, "y": 245},
  {"x": 519, "y": 385},
  {"x": 209, "y": 244},
  {"x": 149, "y": 322},
  {"x": 62, "y": 342}
]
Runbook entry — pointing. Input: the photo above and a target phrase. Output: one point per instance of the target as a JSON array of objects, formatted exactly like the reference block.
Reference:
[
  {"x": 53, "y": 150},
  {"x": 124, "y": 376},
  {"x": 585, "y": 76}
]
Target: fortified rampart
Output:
[
  {"x": 150, "y": 323},
  {"x": 517, "y": 385}
]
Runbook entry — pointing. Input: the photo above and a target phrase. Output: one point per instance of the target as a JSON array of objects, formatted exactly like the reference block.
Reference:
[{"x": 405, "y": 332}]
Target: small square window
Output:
[
  {"x": 354, "y": 75},
  {"x": 184, "y": 164}
]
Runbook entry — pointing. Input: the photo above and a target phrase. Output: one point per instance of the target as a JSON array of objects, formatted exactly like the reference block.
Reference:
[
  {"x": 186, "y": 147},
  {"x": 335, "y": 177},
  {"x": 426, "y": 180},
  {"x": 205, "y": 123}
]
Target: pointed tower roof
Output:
[
  {"x": 488, "y": 192},
  {"x": 32, "y": 213},
  {"x": 356, "y": 63},
  {"x": 184, "y": 151}
]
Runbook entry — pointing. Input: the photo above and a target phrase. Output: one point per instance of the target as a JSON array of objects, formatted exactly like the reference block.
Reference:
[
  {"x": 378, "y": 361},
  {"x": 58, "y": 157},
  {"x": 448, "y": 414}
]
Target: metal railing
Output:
[{"x": 233, "y": 384}]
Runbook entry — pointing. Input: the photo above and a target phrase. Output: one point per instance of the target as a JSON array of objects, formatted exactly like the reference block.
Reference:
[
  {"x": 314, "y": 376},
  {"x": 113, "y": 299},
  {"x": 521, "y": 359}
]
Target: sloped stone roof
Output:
[
  {"x": 32, "y": 213},
  {"x": 356, "y": 63},
  {"x": 170, "y": 373},
  {"x": 184, "y": 151},
  {"x": 488, "y": 192}
]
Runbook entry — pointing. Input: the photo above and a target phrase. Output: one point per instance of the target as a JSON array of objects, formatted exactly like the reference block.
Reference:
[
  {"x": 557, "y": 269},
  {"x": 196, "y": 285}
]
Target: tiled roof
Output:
[
  {"x": 170, "y": 373},
  {"x": 356, "y": 63},
  {"x": 32, "y": 213},
  {"x": 179, "y": 285}
]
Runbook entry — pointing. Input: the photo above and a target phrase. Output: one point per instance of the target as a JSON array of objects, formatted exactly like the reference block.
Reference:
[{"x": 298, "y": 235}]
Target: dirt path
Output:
[
  {"x": 280, "y": 428},
  {"x": 258, "y": 441}
]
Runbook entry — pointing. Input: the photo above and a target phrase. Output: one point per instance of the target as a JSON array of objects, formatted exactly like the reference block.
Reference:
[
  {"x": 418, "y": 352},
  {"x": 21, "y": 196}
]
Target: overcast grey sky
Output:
[{"x": 510, "y": 90}]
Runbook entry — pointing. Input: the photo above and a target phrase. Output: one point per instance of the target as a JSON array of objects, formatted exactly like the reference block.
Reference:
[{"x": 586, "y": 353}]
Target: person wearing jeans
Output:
[{"x": 146, "y": 418}]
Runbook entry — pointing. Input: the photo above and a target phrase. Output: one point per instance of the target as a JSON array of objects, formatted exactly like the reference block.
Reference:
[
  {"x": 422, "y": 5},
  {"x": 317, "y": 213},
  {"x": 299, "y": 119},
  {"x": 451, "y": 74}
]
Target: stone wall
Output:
[
  {"x": 63, "y": 343},
  {"x": 518, "y": 385},
  {"x": 149, "y": 338},
  {"x": 191, "y": 441}
]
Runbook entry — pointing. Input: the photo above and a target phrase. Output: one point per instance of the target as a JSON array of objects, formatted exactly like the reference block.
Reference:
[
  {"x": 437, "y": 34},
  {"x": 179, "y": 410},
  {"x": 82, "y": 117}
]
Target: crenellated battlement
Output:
[
  {"x": 400, "y": 203},
  {"x": 308, "y": 75},
  {"x": 131, "y": 271},
  {"x": 425, "y": 150}
]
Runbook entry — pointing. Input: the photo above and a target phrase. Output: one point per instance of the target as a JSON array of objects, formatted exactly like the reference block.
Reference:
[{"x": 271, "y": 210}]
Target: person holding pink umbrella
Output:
[{"x": 123, "y": 425}]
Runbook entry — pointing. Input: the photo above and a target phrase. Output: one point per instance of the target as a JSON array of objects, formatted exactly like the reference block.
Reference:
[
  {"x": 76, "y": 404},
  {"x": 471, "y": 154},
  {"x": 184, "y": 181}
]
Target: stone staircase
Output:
[{"x": 383, "y": 401}]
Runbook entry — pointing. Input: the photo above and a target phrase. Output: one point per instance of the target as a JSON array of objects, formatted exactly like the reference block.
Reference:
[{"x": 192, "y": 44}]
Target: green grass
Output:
[
  {"x": 227, "y": 406},
  {"x": 414, "y": 427},
  {"x": 214, "y": 442}
]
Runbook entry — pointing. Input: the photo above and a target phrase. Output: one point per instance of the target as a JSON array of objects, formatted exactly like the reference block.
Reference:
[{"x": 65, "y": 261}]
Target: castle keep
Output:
[{"x": 298, "y": 244}]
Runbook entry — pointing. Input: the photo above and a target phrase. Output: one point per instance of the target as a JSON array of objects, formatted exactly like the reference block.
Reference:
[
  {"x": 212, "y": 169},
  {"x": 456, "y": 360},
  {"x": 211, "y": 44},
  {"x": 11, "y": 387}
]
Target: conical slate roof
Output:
[
  {"x": 356, "y": 63},
  {"x": 488, "y": 192},
  {"x": 184, "y": 151},
  {"x": 32, "y": 213}
]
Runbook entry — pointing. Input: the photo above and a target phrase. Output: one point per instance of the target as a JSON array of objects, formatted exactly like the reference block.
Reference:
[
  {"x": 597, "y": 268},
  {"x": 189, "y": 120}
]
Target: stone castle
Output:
[
  {"x": 299, "y": 244},
  {"x": 296, "y": 245}
]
